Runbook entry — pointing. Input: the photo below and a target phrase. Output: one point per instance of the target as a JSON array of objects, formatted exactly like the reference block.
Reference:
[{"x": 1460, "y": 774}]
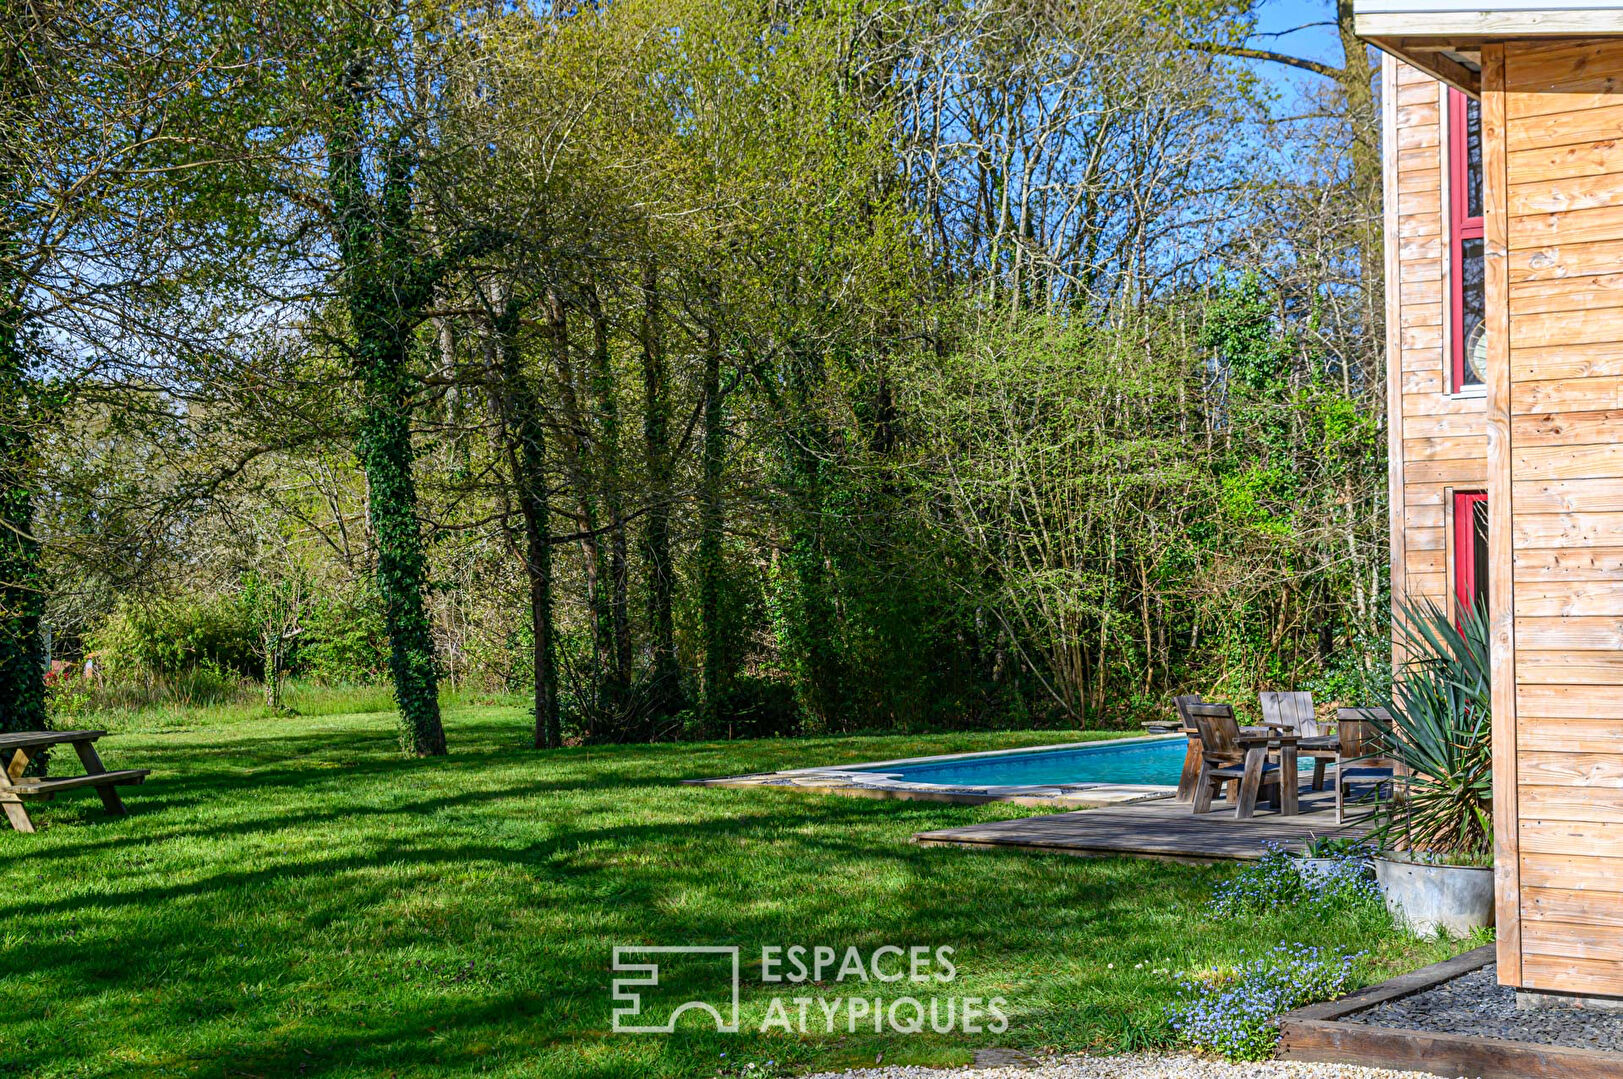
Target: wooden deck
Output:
[{"x": 1160, "y": 828}]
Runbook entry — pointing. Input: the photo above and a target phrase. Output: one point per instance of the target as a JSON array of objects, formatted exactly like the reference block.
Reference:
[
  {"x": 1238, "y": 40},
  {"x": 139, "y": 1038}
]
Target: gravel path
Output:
[
  {"x": 1476, "y": 1003},
  {"x": 1134, "y": 1067}
]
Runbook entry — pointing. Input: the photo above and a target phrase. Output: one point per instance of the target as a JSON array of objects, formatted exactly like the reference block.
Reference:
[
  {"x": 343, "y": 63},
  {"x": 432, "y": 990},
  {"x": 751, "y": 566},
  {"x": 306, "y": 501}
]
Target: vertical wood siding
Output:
[
  {"x": 1563, "y": 165},
  {"x": 1501, "y": 521}
]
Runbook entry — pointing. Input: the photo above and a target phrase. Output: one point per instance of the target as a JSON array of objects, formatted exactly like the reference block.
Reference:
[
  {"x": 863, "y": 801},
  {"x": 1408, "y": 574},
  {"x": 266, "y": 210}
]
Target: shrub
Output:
[
  {"x": 1235, "y": 1012},
  {"x": 344, "y": 642},
  {"x": 167, "y": 638},
  {"x": 67, "y": 697},
  {"x": 1359, "y": 672}
]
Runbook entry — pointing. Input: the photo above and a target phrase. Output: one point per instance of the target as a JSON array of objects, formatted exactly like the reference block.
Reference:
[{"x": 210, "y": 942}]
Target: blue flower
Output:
[{"x": 1235, "y": 1014}]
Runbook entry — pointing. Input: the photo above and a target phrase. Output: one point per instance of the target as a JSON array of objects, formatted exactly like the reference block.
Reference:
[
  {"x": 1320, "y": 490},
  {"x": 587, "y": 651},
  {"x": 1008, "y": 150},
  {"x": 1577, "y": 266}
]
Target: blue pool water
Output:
[{"x": 1152, "y": 762}]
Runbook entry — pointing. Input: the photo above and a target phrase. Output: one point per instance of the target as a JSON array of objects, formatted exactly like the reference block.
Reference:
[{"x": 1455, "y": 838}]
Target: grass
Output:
[{"x": 290, "y": 897}]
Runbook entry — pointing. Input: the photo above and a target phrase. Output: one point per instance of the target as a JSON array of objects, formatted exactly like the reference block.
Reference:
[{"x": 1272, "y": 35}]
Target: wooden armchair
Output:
[
  {"x": 1227, "y": 755},
  {"x": 1294, "y": 712},
  {"x": 1361, "y": 756},
  {"x": 1191, "y": 757}
]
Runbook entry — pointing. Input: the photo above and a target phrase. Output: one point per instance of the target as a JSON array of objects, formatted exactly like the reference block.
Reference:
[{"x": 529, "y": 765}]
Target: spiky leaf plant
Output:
[{"x": 1442, "y": 734}]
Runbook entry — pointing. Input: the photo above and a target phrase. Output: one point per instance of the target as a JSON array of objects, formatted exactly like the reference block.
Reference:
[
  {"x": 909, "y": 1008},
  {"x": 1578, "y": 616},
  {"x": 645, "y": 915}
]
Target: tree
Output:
[
  {"x": 370, "y": 90},
  {"x": 1353, "y": 109},
  {"x": 387, "y": 282},
  {"x": 276, "y": 605},
  {"x": 112, "y": 222}
]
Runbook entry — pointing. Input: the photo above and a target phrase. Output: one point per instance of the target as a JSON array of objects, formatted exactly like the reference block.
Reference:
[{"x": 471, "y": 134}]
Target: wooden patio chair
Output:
[
  {"x": 1191, "y": 756},
  {"x": 1227, "y": 755},
  {"x": 1360, "y": 757},
  {"x": 1294, "y": 711}
]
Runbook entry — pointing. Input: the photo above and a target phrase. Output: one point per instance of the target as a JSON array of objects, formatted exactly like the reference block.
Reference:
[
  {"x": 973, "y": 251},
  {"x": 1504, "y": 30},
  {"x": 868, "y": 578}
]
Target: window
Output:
[
  {"x": 1467, "y": 341},
  {"x": 1471, "y": 549}
]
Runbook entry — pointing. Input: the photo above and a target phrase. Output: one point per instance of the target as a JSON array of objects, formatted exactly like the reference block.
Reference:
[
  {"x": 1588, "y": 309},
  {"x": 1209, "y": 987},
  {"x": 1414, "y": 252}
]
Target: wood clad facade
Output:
[
  {"x": 1546, "y": 442},
  {"x": 1562, "y": 103},
  {"x": 1437, "y": 438}
]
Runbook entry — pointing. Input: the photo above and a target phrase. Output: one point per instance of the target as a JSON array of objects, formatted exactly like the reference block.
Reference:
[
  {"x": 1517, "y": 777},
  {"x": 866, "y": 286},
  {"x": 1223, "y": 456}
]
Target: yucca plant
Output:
[{"x": 1442, "y": 734}]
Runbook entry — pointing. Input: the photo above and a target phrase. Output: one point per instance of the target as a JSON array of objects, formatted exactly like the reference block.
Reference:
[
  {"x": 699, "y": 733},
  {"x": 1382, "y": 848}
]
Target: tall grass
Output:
[{"x": 168, "y": 704}]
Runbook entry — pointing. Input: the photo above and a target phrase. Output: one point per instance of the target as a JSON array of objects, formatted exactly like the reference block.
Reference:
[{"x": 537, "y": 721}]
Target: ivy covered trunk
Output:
[
  {"x": 809, "y": 625},
  {"x": 271, "y": 643},
  {"x": 386, "y": 454},
  {"x": 22, "y": 594},
  {"x": 386, "y": 288}
]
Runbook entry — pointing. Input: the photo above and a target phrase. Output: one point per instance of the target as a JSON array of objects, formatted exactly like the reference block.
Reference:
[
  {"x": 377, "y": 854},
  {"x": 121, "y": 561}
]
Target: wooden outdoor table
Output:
[
  {"x": 1289, "y": 778},
  {"x": 1284, "y": 737},
  {"x": 23, "y": 746}
]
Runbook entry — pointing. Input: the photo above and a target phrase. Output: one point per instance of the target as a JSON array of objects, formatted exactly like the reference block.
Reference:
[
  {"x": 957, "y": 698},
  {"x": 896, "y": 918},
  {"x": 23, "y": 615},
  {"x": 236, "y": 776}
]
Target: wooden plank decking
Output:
[{"x": 1156, "y": 829}]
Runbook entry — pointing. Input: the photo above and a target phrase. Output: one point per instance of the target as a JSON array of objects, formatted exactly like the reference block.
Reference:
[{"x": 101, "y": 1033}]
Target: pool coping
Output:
[{"x": 853, "y": 780}]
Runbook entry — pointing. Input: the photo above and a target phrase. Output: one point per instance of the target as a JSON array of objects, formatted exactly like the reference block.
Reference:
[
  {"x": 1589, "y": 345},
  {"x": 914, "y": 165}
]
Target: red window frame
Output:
[
  {"x": 1462, "y": 227},
  {"x": 1465, "y": 545}
]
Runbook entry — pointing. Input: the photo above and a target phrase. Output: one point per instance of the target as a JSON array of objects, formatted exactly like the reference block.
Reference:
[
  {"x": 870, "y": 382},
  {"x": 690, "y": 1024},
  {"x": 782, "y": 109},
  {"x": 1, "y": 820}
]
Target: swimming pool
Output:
[
  {"x": 1078, "y": 774},
  {"x": 1139, "y": 762}
]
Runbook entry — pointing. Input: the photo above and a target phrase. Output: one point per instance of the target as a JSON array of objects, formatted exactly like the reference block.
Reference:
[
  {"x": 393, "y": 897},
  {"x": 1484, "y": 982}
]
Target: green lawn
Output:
[{"x": 290, "y": 897}]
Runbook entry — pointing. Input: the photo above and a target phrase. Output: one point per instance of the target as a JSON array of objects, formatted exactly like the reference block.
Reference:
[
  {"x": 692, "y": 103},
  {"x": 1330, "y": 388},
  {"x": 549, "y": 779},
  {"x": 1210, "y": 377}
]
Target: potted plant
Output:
[{"x": 1435, "y": 865}]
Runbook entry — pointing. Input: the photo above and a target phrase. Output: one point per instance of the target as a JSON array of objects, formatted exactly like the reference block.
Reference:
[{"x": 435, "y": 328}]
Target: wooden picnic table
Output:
[{"x": 23, "y": 746}]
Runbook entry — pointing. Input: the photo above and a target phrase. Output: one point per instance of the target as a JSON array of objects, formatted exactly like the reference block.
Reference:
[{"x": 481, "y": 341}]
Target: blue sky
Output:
[{"x": 1314, "y": 42}]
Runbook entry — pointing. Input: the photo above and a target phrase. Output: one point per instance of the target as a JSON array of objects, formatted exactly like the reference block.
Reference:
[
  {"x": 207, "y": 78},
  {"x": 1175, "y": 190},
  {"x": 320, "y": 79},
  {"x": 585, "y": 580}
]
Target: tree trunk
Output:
[
  {"x": 381, "y": 285},
  {"x": 526, "y": 441},
  {"x": 714, "y": 681},
  {"x": 575, "y": 447},
  {"x": 22, "y": 593},
  {"x": 812, "y": 618},
  {"x": 386, "y": 454},
  {"x": 665, "y": 681},
  {"x": 273, "y": 671},
  {"x": 606, "y": 405}
]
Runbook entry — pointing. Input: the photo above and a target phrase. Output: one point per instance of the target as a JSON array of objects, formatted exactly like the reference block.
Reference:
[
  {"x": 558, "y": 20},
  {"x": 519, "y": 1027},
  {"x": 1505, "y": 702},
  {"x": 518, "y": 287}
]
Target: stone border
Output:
[
  {"x": 1316, "y": 1033},
  {"x": 848, "y": 780}
]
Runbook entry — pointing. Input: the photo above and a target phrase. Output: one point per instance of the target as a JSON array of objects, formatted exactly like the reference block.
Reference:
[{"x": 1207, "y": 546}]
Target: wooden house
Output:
[{"x": 1503, "y": 136}]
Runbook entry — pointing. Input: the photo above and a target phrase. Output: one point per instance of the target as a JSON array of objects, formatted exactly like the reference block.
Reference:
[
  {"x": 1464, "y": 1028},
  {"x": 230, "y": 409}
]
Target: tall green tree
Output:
[
  {"x": 387, "y": 80},
  {"x": 387, "y": 283},
  {"x": 523, "y": 424},
  {"x": 112, "y": 220}
]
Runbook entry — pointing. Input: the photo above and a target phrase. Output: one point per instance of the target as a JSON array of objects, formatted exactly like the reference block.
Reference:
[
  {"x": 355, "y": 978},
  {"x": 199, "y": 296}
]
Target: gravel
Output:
[
  {"x": 1134, "y": 1066},
  {"x": 1476, "y": 1004}
]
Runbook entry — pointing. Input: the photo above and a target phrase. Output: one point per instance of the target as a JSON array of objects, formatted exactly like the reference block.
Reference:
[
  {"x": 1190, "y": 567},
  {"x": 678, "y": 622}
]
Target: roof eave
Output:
[{"x": 1448, "y": 43}]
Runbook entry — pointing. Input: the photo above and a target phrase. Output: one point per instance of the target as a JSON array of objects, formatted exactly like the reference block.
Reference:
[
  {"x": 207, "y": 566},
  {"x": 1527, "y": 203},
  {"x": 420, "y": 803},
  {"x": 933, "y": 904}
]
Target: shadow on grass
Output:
[{"x": 268, "y": 907}]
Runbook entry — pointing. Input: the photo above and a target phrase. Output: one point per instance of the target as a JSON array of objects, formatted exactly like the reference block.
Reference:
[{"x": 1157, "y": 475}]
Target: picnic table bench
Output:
[{"x": 15, "y": 787}]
